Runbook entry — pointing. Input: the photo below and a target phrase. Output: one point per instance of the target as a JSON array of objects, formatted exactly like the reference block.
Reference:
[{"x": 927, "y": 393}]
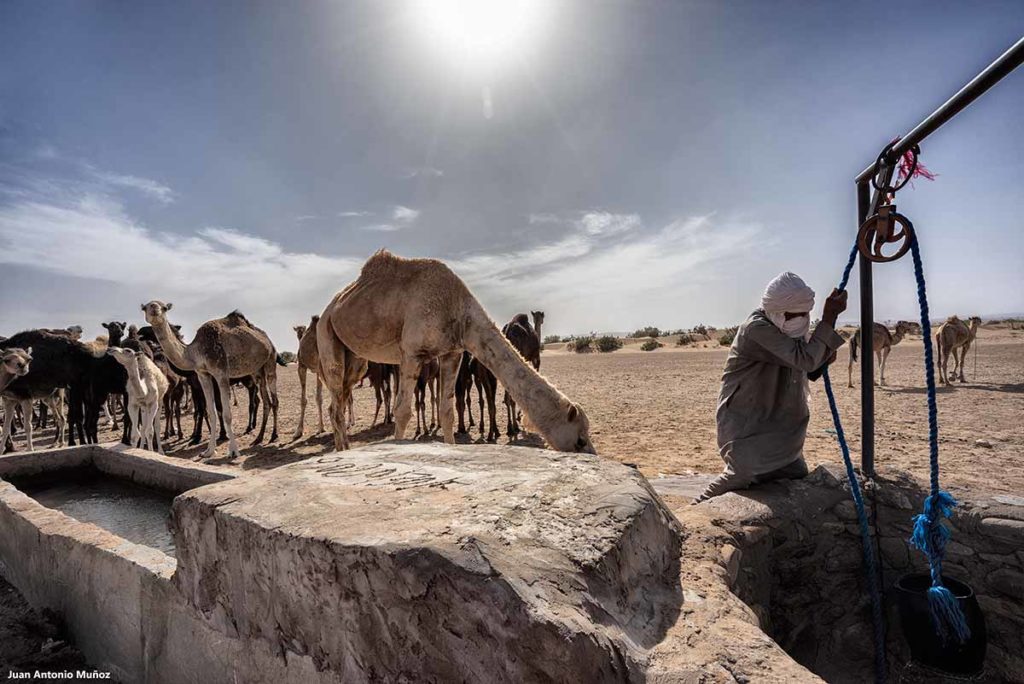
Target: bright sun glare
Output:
[{"x": 479, "y": 32}]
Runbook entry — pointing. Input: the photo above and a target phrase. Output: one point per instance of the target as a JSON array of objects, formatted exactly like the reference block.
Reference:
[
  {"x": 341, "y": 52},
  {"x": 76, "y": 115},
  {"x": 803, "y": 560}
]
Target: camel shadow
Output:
[{"x": 1012, "y": 388}]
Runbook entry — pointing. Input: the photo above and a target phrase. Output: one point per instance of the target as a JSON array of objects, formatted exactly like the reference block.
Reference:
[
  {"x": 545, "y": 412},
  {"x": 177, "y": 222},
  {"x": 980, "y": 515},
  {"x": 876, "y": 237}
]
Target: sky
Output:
[{"x": 615, "y": 164}]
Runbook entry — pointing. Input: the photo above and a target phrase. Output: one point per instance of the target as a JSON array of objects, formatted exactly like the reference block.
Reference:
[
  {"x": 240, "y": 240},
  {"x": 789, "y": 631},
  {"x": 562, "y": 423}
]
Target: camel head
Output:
[
  {"x": 572, "y": 434},
  {"x": 300, "y": 330},
  {"x": 76, "y": 331},
  {"x": 125, "y": 357},
  {"x": 904, "y": 327},
  {"x": 16, "y": 361},
  {"x": 538, "y": 318},
  {"x": 115, "y": 328},
  {"x": 133, "y": 331},
  {"x": 156, "y": 311}
]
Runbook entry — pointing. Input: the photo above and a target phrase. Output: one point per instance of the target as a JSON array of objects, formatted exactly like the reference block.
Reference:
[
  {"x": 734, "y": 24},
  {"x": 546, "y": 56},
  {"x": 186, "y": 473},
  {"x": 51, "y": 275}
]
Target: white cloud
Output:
[
  {"x": 401, "y": 217},
  {"x": 354, "y": 214},
  {"x": 146, "y": 186},
  {"x": 605, "y": 223},
  {"x": 306, "y": 217},
  {"x": 605, "y": 279}
]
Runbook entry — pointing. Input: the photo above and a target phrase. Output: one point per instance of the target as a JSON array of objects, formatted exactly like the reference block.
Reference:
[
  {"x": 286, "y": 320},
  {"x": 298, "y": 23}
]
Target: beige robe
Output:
[{"x": 762, "y": 406}]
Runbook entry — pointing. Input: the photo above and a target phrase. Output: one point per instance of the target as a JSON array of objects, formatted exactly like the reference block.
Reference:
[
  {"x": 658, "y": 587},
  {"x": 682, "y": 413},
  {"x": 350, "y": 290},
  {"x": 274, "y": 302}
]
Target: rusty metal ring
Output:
[{"x": 870, "y": 243}]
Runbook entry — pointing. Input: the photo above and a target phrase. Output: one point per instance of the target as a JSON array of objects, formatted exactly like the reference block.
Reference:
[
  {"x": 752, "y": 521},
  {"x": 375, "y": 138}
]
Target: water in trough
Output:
[{"x": 136, "y": 513}]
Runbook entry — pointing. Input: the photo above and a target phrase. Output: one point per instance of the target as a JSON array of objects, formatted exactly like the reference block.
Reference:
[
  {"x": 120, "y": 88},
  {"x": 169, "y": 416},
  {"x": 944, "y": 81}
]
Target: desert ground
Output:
[{"x": 657, "y": 410}]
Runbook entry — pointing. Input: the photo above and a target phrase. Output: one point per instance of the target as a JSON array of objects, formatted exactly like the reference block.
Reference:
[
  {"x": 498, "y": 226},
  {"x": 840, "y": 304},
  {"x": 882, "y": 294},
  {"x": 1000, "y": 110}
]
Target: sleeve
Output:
[{"x": 765, "y": 342}]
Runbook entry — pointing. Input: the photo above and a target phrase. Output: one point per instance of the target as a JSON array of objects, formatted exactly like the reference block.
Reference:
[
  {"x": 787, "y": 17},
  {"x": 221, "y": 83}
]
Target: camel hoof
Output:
[{"x": 273, "y": 437}]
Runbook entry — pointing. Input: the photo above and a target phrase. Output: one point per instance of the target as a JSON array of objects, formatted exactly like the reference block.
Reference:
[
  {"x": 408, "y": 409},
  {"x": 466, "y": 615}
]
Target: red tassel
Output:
[{"x": 907, "y": 163}]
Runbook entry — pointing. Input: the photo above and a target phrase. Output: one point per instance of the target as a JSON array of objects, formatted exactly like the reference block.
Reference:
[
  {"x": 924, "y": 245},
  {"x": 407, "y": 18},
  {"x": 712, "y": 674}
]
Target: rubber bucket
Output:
[{"x": 926, "y": 646}]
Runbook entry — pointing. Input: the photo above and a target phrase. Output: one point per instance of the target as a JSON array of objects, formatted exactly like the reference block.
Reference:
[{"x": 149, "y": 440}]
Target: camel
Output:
[
  {"x": 407, "y": 311},
  {"x": 14, "y": 363},
  {"x": 308, "y": 360},
  {"x": 486, "y": 389},
  {"x": 58, "y": 362},
  {"x": 464, "y": 394},
  {"x": 538, "y": 321},
  {"x": 428, "y": 379},
  {"x": 221, "y": 349},
  {"x": 147, "y": 386},
  {"x": 954, "y": 335},
  {"x": 380, "y": 376},
  {"x": 526, "y": 340},
  {"x": 883, "y": 342}
]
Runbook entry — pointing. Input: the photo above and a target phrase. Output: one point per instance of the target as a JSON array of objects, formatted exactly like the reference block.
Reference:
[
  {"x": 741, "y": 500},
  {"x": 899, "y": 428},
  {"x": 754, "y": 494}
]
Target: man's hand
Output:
[
  {"x": 834, "y": 305},
  {"x": 832, "y": 357}
]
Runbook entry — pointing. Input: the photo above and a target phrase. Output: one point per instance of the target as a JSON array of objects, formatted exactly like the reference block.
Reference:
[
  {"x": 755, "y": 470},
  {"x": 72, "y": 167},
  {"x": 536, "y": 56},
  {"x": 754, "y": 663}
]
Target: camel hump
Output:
[
  {"x": 313, "y": 320},
  {"x": 522, "y": 319},
  {"x": 236, "y": 317},
  {"x": 953, "y": 319}
]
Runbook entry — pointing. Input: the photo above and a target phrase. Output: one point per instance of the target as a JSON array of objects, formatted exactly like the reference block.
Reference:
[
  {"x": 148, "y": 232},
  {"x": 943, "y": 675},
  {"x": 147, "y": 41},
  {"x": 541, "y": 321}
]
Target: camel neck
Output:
[
  {"x": 538, "y": 398},
  {"x": 172, "y": 347},
  {"x": 133, "y": 378},
  {"x": 5, "y": 379}
]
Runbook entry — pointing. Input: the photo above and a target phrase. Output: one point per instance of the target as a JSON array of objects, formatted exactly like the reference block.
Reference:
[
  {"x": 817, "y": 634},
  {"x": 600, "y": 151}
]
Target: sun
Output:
[{"x": 482, "y": 33}]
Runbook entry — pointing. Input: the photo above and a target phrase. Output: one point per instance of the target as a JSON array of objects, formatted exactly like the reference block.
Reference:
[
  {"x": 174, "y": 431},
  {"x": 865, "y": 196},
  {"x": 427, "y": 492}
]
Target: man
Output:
[{"x": 762, "y": 406}]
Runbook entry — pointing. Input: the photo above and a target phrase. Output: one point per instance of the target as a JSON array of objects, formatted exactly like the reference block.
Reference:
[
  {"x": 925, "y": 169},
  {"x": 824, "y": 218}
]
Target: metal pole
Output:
[
  {"x": 1007, "y": 62},
  {"x": 867, "y": 321}
]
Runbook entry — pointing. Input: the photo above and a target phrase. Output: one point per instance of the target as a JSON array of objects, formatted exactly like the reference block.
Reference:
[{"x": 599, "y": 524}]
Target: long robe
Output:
[{"x": 762, "y": 407}]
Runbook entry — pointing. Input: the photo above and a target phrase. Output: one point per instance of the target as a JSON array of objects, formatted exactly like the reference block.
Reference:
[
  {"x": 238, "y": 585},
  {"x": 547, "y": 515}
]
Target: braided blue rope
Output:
[
  {"x": 930, "y": 535},
  {"x": 858, "y": 502}
]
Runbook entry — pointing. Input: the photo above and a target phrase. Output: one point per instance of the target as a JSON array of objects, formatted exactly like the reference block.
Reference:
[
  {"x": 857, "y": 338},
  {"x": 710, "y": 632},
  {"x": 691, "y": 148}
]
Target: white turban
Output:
[{"x": 788, "y": 292}]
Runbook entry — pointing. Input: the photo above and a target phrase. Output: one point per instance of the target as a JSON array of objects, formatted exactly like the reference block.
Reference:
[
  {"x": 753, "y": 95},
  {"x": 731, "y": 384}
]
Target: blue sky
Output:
[{"x": 626, "y": 163}]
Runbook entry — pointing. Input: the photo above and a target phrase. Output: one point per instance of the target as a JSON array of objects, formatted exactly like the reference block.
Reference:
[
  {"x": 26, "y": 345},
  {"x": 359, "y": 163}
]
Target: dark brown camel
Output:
[
  {"x": 381, "y": 377},
  {"x": 430, "y": 373},
  {"x": 464, "y": 393}
]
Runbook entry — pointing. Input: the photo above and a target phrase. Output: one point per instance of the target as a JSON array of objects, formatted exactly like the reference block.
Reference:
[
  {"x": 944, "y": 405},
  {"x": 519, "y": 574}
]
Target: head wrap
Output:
[{"x": 788, "y": 292}]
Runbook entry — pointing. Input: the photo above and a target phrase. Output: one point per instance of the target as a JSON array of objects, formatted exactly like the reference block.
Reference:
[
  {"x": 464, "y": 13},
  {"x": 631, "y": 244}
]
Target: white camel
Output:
[{"x": 147, "y": 386}]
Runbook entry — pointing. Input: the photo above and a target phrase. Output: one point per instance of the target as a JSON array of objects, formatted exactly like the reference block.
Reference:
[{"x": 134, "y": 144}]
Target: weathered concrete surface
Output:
[{"x": 433, "y": 562}]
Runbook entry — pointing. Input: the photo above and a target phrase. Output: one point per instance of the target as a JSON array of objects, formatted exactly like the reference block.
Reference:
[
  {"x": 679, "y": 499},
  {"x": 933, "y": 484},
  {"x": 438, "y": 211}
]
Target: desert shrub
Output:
[
  {"x": 287, "y": 356},
  {"x": 552, "y": 339},
  {"x": 727, "y": 336},
  {"x": 607, "y": 343},
  {"x": 651, "y": 345},
  {"x": 701, "y": 330},
  {"x": 582, "y": 345},
  {"x": 685, "y": 339},
  {"x": 649, "y": 331}
]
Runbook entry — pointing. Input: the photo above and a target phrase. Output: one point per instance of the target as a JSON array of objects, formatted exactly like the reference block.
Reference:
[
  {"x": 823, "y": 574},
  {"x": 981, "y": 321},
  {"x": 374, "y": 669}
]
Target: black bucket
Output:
[{"x": 926, "y": 646}]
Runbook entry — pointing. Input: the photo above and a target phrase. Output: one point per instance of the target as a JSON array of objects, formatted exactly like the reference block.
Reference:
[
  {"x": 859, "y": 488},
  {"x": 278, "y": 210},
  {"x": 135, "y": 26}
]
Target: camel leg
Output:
[
  {"x": 378, "y": 395},
  {"x": 261, "y": 384},
  {"x": 849, "y": 372},
  {"x": 332, "y": 363},
  {"x": 963, "y": 360},
  {"x": 26, "y": 409},
  {"x": 225, "y": 398},
  {"x": 271, "y": 377},
  {"x": 460, "y": 409},
  {"x": 56, "y": 406},
  {"x": 9, "y": 408},
  {"x": 206, "y": 382},
  {"x": 884, "y": 355},
  {"x": 409, "y": 370},
  {"x": 447, "y": 377},
  {"x": 320, "y": 402},
  {"x": 302, "y": 403},
  {"x": 418, "y": 396},
  {"x": 434, "y": 386}
]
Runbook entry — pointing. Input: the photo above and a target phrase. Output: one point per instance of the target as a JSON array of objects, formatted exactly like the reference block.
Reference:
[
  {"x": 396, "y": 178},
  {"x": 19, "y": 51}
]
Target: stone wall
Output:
[{"x": 795, "y": 557}]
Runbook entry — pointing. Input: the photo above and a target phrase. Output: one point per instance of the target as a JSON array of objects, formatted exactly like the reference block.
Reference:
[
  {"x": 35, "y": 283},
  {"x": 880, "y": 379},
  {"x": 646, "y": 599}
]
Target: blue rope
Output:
[
  {"x": 858, "y": 501},
  {"x": 930, "y": 535}
]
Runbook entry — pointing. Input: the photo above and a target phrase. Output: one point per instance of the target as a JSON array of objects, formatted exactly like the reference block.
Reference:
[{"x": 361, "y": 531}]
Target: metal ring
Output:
[{"x": 870, "y": 244}]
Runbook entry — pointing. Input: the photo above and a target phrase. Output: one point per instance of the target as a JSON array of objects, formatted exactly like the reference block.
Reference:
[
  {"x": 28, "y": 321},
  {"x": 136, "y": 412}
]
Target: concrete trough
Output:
[{"x": 398, "y": 562}]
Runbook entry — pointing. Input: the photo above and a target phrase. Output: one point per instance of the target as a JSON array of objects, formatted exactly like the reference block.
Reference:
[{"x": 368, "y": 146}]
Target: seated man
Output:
[{"x": 763, "y": 404}]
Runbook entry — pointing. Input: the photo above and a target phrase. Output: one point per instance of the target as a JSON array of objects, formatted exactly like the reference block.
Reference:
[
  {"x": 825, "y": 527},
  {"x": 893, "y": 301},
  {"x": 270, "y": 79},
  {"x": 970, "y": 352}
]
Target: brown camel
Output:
[
  {"x": 307, "y": 360},
  {"x": 407, "y": 311},
  {"x": 222, "y": 349},
  {"x": 527, "y": 342},
  {"x": 883, "y": 342},
  {"x": 953, "y": 336}
]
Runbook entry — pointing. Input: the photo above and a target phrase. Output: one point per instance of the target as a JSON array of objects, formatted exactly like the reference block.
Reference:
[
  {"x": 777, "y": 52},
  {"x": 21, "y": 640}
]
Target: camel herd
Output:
[{"x": 409, "y": 326}]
